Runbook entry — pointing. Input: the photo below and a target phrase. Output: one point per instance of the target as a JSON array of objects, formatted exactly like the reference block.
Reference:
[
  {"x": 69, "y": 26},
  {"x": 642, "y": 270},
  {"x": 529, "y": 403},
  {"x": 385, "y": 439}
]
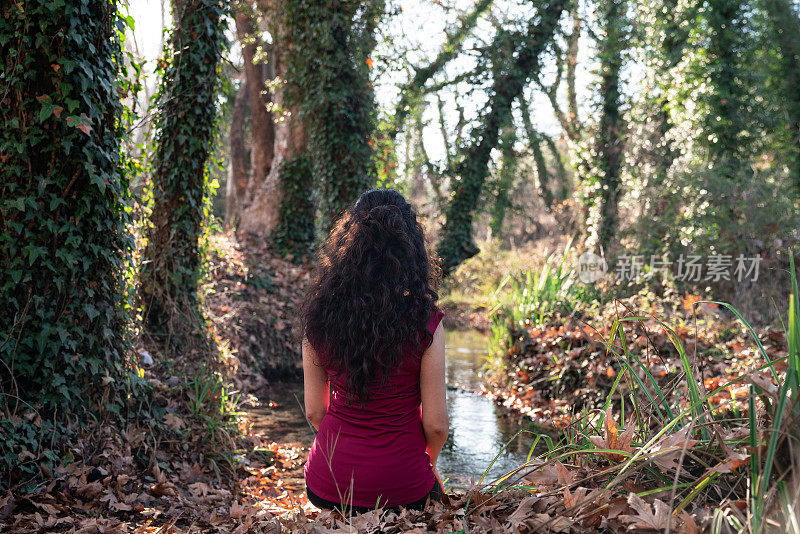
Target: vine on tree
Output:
[
  {"x": 63, "y": 235},
  {"x": 186, "y": 125},
  {"x": 329, "y": 81},
  {"x": 295, "y": 232}
]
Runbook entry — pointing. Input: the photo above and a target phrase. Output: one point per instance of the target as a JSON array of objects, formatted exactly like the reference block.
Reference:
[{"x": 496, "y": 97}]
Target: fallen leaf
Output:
[
  {"x": 174, "y": 422},
  {"x": 571, "y": 500},
  {"x": 163, "y": 489},
  {"x": 688, "y": 526},
  {"x": 523, "y": 511},
  {"x": 669, "y": 449},
  {"x": 658, "y": 518},
  {"x": 734, "y": 461},
  {"x": 612, "y": 440}
]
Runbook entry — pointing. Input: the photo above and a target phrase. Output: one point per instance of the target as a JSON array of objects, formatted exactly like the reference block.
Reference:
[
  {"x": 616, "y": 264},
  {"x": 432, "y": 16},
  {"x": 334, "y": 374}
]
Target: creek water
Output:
[{"x": 479, "y": 429}]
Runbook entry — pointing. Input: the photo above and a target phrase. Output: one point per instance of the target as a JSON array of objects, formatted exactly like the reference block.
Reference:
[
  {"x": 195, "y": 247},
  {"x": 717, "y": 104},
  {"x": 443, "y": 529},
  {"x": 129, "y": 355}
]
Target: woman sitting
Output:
[{"x": 373, "y": 362}]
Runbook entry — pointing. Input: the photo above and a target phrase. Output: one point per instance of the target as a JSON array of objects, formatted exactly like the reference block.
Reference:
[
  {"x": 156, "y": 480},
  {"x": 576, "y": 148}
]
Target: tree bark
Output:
[
  {"x": 785, "y": 22},
  {"x": 535, "y": 144},
  {"x": 64, "y": 227},
  {"x": 236, "y": 187},
  {"x": 263, "y": 146},
  {"x": 172, "y": 271},
  {"x": 506, "y": 174},
  {"x": 262, "y": 215},
  {"x": 610, "y": 140}
]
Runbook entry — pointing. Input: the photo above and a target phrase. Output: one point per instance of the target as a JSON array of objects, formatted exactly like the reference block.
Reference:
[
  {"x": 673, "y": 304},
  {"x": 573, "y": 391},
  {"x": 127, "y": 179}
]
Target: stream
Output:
[{"x": 478, "y": 427}]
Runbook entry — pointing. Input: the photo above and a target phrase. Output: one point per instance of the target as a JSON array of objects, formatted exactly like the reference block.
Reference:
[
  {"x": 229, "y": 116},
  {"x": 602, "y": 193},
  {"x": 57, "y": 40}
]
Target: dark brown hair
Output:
[{"x": 372, "y": 293}]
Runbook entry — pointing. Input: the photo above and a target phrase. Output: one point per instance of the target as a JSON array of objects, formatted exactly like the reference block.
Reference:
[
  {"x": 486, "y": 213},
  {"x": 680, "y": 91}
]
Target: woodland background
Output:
[{"x": 159, "y": 213}]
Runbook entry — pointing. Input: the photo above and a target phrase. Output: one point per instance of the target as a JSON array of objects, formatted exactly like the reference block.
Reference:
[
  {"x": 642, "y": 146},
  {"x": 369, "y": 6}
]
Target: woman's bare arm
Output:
[
  {"x": 315, "y": 386},
  {"x": 435, "y": 422}
]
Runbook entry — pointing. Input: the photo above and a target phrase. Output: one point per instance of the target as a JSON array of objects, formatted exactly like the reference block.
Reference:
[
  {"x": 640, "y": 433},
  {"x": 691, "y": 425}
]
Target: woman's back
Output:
[
  {"x": 373, "y": 359},
  {"x": 373, "y": 452}
]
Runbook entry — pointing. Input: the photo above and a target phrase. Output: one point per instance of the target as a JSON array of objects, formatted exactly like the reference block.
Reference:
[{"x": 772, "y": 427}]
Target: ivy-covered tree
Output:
[
  {"x": 509, "y": 80},
  {"x": 236, "y": 186},
  {"x": 281, "y": 208},
  {"x": 663, "y": 39},
  {"x": 552, "y": 190},
  {"x": 331, "y": 44},
  {"x": 186, "y": 114},
  {"x": 413, "y": 90},
  {"x": 784, "y": 20},
  {"x": 505, "y": 173},
  {"x": 726, "y": 122},
  {"x": 606, "y": 178},
  {"x": 63, "y": 235},
  {"x": 257, "y": 70}
]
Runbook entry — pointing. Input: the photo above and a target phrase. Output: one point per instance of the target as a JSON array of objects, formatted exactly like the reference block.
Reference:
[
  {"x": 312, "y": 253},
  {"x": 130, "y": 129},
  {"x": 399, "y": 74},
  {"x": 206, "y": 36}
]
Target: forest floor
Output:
[{"x": 229, "y": 454}]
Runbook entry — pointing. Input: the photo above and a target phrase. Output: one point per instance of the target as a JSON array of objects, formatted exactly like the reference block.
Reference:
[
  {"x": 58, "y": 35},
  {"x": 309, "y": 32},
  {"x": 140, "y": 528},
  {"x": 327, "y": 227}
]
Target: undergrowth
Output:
[{"x": 664, "y": 440}]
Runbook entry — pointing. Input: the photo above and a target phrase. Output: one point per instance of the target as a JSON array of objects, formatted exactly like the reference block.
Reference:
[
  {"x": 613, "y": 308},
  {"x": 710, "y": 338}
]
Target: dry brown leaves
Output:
[
  {"x": 558, "y": 369},
  {"x": 613, "y": 440}
]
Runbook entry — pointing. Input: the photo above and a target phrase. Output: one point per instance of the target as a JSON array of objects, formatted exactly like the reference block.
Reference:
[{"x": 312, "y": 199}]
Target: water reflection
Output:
[{"x": 478, "y": 429}]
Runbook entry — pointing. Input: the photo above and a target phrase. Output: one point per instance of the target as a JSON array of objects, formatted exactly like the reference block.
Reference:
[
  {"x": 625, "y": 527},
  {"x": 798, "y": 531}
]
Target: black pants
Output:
[{"x": 419, "y": 504}]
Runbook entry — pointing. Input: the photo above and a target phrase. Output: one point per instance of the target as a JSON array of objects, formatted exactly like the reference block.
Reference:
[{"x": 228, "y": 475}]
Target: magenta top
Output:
[{"x": 374, "y": 454}]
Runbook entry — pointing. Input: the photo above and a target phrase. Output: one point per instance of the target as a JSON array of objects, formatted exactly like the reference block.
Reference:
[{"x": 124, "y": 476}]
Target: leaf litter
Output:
[{"x": 596, "y": 478}]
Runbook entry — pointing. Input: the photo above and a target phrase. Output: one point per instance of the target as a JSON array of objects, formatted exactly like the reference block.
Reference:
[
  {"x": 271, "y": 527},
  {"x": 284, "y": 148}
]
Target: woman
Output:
[{"x": 373, "y": 362}]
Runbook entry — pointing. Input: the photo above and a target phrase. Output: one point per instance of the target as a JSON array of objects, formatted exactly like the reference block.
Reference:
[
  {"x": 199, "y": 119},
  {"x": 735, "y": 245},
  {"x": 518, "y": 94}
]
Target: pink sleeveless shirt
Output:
[{"x": 374, "y": 454}]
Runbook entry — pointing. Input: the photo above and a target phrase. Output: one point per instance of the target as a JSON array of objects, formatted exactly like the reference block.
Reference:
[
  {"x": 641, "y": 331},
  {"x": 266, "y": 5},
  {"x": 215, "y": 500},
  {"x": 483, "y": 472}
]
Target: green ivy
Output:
[
  {"x": 295, "y": 232},
  {"x": 63, "y": 216},
  {"x": 329, "y": 81},
  {"x": 605, "y": 179},
  {"x": 509, "y": 79},
  {"x": 185, "y": 122},
  {"x": 505, "y": 174}
]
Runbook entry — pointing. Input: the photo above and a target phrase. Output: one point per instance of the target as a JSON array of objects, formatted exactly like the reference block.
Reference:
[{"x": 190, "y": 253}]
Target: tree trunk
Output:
[
  {"x": 727, "y": 123},
  {"x": 785, "y": 22},
  {"x": 263, "y": 128},
  {"x": 412, "y": 91},
  {"x": 535, "y": 144},
  {"x": 63, "y": 221},
  {"x": 506, "y": 174},
  {"x": 331, "y": 88},
  {"x": 186, "y": 125},
  {"x": 610, "y": 140},
  {"x": 262, "y": 215},
  {"x": 236, "y": 187},
  {"x": 457, "y": 243}
]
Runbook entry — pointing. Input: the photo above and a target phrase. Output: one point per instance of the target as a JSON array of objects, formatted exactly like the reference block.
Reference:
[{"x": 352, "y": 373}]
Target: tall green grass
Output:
[{"x": 536, "y": 296}]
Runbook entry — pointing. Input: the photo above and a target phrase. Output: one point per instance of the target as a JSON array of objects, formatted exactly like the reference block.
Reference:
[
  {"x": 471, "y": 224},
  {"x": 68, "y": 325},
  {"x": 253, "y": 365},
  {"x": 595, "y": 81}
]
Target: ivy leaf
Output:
[
  {"x": 91, "y": 311},
  {"x": 47, "y": 110},
  {"x": 83, "y": 123}
]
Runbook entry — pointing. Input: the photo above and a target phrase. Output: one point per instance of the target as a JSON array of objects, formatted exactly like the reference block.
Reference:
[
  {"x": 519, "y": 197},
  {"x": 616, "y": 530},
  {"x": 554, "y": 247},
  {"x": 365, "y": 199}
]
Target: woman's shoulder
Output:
[
  {"x": 426, "y": 334},
  {"x": 434, "y": 319}
]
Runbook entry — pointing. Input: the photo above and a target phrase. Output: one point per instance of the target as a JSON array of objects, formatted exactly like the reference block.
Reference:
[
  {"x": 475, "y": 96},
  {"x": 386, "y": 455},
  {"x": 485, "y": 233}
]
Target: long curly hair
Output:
[{"x": 372, "y": 292}]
